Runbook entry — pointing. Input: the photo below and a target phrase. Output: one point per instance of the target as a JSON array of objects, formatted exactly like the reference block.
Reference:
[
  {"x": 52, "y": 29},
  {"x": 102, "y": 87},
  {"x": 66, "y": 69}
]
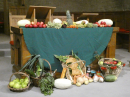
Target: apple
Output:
[
  {"x": 105, "y": 25},
  {"x": 115, "y": 62},
  {"x": 35, "y": 26},
  {"x": 111, "y": 62},
  {"x": 119, "y": 64},
  {"x": 30, "y": 26},
  {"x": 44, "y": 26},
  {"x": 17, "y": 86},
  {"x": 38, "y": 23},
  {"x": 11, "y": 84},
  {"x": 41, "y": 23},
  {"x": 101, "y": 63},
  {"x": 40, "y": 26},
  {"x": 96, "y": 23},
  {"x": 21, "y": 80},
  {"x": 32, "y": 23},
  {"x": 109, "y": 25},
  {"x": 27, "y": 26},
  {"x": 102, "y": 22},
  {"x": 24, "y": 85}
]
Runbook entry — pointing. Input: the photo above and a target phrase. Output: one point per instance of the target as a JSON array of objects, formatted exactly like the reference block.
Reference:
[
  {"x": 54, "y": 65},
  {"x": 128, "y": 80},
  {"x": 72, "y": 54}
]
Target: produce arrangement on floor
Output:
[
  {"x": 74, "y": 69},
  {"x": 74, "y": 73}
]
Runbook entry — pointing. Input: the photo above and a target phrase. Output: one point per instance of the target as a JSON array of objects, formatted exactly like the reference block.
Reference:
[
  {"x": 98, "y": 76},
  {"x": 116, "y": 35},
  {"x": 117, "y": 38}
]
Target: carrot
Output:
[
  {"x": 74, "y": 79},
  {"x": 63, "y": 73}
]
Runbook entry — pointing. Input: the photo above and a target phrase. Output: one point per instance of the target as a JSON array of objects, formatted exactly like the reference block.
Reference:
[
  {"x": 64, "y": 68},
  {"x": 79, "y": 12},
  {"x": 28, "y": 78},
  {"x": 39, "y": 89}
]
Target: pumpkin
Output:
[{"x": 22, "y": 23}]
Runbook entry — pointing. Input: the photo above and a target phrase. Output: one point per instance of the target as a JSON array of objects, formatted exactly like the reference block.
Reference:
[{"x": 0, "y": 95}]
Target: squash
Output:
[
  {"x": 62, "y": 83},
  {"x": 110, "y": 78},
  {"x": 108, "y": 21},
  {"x": 22, "y": 23},
  {"x": 57, "y": 21}
]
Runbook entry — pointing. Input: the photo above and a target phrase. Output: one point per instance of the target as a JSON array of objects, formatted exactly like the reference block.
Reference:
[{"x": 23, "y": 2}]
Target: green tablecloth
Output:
[{"x": 50, "y": 41}]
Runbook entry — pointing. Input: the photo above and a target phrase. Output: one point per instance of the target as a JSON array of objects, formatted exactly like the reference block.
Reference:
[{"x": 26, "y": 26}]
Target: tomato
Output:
[{"x": 115, "y": 62}]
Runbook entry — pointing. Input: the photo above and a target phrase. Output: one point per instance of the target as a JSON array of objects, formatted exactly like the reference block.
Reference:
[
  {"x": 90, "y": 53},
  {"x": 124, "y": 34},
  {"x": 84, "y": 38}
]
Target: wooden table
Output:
[{"x": 21, "y": 50}]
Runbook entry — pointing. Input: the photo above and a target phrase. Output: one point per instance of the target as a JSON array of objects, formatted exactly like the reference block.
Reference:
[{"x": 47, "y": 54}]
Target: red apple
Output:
[
  {"x": 109, "y": 25},
  {"x": 40, "y": 26},
  {"x": 111, "y": 62},
  {"x": 30, "y": 26},
  {"x": 27, "y": 26},
  {"x": 35, "y": 25},
  {"x": 41, "y": 23},
  {"x": 32, "y": 23},
  {"x": 102, "y": 22},
  {"x": 96, "y": 23},
  {"x": 115, "y": 62},
  {"x": 44, "y": 26},
  {"x": 105, "y": 25},
  {"x": 38, "y": 23}
]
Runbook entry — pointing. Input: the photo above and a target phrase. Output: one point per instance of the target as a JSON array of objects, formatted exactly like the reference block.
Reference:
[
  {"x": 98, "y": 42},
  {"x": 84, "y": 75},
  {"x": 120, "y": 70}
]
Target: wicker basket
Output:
[
  {"x": 19, "y": 90},
  {"x": 36, "y": 80},
  {"x": 82, "y": 66},
  {"x": 106, "y": 72}
]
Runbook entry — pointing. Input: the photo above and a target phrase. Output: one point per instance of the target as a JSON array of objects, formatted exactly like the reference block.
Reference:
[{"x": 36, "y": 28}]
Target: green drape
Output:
[{"x": 50, "y": 41}]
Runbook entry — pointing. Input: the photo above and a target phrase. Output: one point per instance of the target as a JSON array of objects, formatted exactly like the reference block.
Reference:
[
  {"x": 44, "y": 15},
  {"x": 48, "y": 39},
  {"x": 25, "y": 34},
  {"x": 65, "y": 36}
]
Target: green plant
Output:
[
  {"x": 34, "y": 67},
  {"x": 46, "y": 84}
]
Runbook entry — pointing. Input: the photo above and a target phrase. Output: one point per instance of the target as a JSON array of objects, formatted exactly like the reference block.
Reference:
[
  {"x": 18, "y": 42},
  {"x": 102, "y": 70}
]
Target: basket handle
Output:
[
  {"x": 19, "y": 73},
  {"x": 77, "y": 62},
  {"x": 49, "y": 65}
]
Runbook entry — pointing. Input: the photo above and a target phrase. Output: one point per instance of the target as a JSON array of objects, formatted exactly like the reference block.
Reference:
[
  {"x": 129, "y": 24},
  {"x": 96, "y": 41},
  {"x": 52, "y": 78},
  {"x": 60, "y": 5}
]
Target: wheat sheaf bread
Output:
[{"x": 73, "y": 66}]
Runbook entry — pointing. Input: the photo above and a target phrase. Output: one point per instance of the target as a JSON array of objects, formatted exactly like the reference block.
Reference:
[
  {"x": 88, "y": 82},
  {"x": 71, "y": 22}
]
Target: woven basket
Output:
[
  {"x": 19, "y": 90},
  {"x": 115, "y": 72},
  {"x": 36, "y": 80},
  {"x": 82, "y": 66}
]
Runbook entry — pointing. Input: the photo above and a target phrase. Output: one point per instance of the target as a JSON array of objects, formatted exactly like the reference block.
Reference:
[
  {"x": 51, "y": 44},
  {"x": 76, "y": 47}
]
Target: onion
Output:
[
  {"x": 80, "y": 80},
  {"x": 78, "y": 84},
  {"x": 86, "y": 82}
]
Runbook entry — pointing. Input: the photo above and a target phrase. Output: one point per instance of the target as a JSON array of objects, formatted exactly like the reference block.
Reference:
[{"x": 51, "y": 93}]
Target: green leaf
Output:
[
  {"x": 30, "y": 72},
  {"x": 41, "y": 63}
]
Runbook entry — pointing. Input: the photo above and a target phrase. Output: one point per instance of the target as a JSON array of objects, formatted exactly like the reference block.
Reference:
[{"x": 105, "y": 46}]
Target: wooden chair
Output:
[
  {"x": 62, "y": 18},
  {"x": 13, "y": 19}
]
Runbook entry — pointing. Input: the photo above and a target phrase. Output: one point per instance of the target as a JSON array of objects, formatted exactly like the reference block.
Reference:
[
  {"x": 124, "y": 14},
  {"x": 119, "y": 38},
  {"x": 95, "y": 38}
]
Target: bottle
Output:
[{"x": 89, "y": 70}]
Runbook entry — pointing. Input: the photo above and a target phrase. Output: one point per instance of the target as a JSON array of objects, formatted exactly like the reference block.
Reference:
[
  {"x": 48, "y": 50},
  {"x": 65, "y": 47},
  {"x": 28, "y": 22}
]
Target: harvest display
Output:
[{"x": 74, "y": 70}]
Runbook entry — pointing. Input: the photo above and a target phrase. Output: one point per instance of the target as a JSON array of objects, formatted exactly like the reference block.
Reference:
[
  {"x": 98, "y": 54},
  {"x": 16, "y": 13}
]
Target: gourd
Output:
[
  {"x": 62, "y": 83},
  {"x": 108, "y": 21},
  {"x": 57, "y": 21},
  {"x": 23, "y": 22},
  {"x": 110, "y": 78}
]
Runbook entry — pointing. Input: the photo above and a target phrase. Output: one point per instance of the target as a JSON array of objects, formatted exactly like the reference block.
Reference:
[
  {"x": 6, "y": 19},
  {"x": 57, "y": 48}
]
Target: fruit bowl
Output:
[
  {"x": 110, "y": 66},
  {"x": 19, "y": 85}
]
